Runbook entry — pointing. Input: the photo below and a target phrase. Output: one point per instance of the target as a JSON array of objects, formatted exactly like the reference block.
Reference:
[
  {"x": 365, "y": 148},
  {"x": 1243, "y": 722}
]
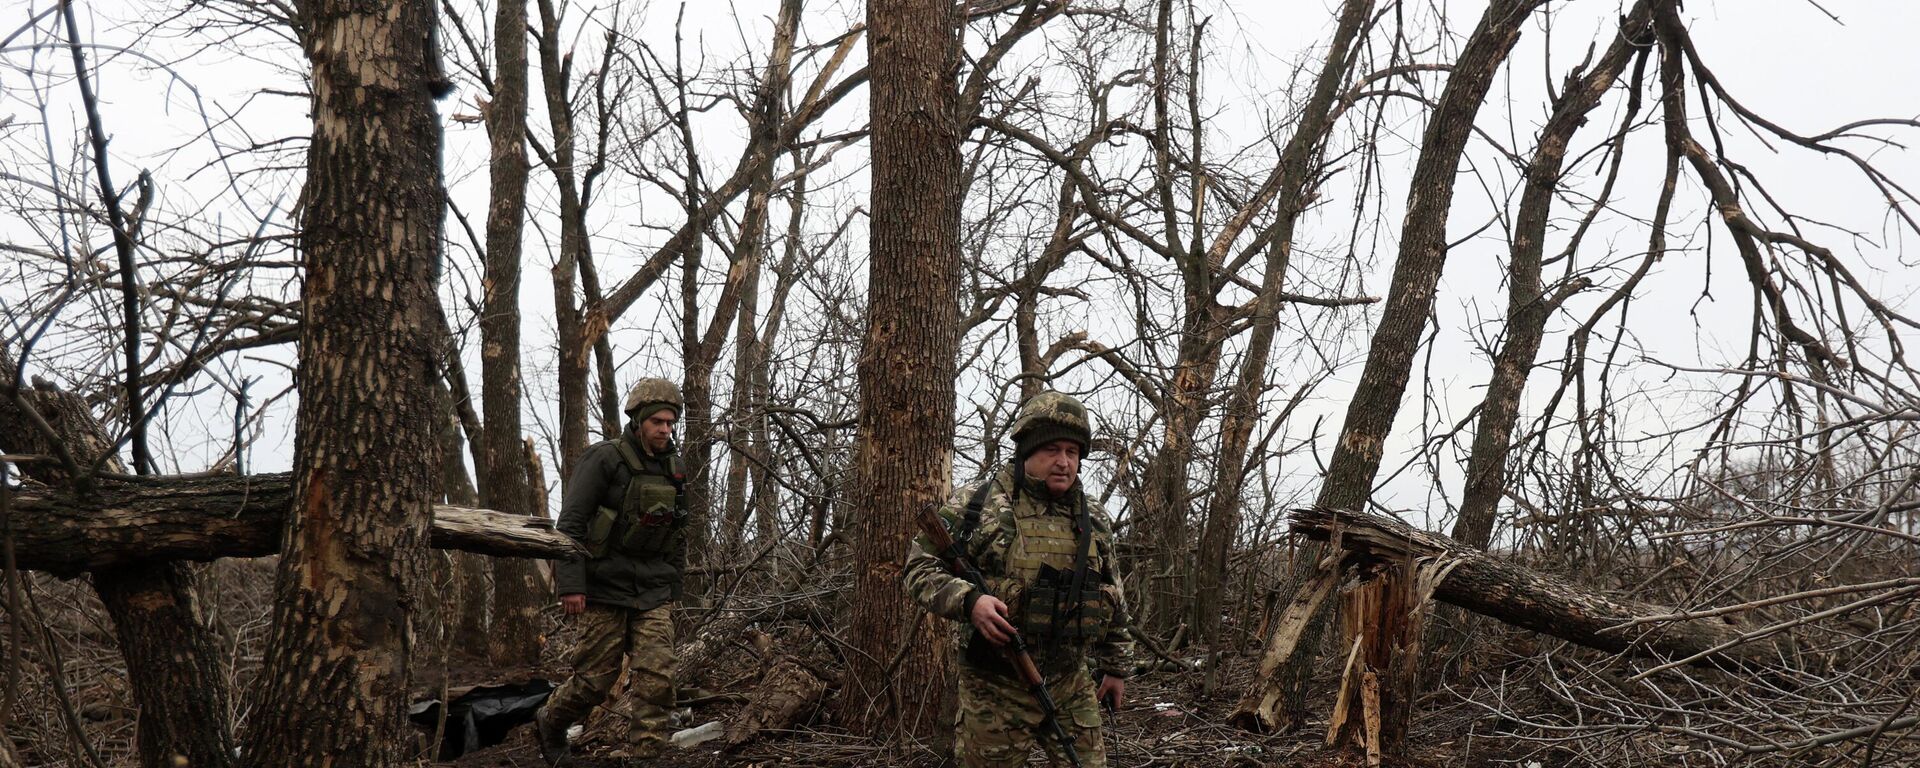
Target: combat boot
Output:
[{"x": 552, "y": 737}]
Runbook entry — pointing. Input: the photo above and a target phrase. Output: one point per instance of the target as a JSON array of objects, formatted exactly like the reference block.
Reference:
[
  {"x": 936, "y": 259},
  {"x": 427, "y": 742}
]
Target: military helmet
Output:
[
  {"x": 1051, "y": 416},
  {"x": 648, "y": 392}
]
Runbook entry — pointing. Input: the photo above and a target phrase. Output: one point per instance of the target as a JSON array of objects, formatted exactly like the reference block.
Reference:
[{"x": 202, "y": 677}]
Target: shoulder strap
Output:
[
  {"x": 970, "y": 519},
  {"x": 631, "y": 456},
  {"x": 1083, "y": 533}
]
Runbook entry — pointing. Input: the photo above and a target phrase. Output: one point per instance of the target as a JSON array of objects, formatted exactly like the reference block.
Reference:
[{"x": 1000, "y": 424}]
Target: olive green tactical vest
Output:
[
  {"x": 1035, "y": 576},
  {"x": 651, "y": 515}
]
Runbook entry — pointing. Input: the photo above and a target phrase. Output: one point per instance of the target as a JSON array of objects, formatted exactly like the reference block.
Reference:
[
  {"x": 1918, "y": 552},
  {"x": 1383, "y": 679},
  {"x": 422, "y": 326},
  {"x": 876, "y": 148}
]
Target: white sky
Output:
[{"x": 1784, "y": 58}]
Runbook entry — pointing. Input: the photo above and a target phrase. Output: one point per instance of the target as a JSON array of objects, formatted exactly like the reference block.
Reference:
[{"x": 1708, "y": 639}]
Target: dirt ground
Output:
[{"x": 1165, "y": 723}]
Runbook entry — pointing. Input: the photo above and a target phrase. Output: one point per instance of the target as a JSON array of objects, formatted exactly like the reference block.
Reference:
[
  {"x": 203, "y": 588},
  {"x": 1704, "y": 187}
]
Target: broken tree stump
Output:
[
  {"x": 1384, "y": 618},
  {"x": 125, "y": 523},
  {"x": 786, "y": 694},
  {"x": 1259, "y": 710},
  {"x": 1518, "y": 596}
]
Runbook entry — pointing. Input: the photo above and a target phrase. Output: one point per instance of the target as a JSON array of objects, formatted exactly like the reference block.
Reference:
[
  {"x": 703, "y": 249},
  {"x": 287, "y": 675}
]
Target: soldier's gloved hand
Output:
[
  {"x": 574, "y": 604},
  {"x": 990, "y": 617}
]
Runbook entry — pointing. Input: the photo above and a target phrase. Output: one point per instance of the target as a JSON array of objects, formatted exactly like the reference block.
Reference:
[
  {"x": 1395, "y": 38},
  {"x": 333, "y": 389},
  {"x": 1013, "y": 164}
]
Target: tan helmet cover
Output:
[{"x": 647, "y": 392}]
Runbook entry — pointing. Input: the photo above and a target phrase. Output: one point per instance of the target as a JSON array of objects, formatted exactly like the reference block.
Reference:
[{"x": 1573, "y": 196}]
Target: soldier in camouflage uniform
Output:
[
  {"x": 1027, "y": 527},
  {"x": 626, "y": 505}
]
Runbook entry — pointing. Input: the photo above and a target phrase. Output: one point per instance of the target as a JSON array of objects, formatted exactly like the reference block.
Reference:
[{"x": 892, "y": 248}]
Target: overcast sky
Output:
[{"x": 1784, "y": 58}]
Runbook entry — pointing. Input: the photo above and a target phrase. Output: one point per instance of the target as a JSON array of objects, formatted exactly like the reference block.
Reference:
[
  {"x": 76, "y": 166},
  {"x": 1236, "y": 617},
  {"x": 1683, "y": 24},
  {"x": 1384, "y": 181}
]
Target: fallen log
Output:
[
  {"x": 1515, "y": 595},
  {"x": 205, "y": 518},
  {"x": 787, "y": 693}
]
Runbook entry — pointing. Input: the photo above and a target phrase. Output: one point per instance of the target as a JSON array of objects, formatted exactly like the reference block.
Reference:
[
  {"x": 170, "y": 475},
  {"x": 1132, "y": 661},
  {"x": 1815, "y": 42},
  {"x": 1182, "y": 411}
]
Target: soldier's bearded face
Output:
[
  {"x": 657, "y": 429},
  {"x": 1057, "y": 464}
]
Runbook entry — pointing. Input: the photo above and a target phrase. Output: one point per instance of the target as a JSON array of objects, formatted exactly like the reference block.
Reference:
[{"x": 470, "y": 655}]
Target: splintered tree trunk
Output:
[
  {"x": 903, "y": 461},
  {"x": 1382, "y": 618},
  {"x": 172, "y": 662},
  {"x": 518, "y": 589},
  {"x": 1513, "y": 594},
  {"x": 334, "y": 674},
  {"x": 1416, "y": 273}
]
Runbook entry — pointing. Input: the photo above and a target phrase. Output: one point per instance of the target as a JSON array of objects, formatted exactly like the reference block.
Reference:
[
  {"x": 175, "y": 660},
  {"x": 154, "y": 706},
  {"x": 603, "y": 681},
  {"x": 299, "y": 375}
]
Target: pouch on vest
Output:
[
  {"x": 1048, "y": 617},
  {"x": 653, "y": 507},
  {"x": 650, "y": 505},
  {"x": 600, "y": 531}
]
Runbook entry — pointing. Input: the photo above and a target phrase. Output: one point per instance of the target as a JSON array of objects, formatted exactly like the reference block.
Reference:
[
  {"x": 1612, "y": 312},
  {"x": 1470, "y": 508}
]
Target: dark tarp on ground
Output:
[{"x": 482, "y": 716}]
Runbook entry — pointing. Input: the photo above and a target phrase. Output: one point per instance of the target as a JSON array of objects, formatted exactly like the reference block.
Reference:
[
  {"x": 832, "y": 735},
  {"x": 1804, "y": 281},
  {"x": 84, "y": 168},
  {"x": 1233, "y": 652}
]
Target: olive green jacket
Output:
[
  {"x": 941, "y": 593},
  {"x": 600, "y": 480}
]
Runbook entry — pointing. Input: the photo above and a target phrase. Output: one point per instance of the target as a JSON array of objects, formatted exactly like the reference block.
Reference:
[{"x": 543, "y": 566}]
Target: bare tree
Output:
[
  {"x": 1349, "y": 478},
  {"x": 904, "y": 457},
  {"x": 335, "y": 673},
  {"x": 519, "y": 586}
]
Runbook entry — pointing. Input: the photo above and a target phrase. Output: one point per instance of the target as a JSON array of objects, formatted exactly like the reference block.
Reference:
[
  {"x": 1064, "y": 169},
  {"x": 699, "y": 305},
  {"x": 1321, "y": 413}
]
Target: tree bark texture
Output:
[
  {"x": 122, "y": 525},
  {"x": 172, "y": 661},
  {"x": 518, "y": 589},
  {"x": 1423, "y": 252},
  {"x": 334, "y": 676},
  {"x": 903, "y": 458},
  {"x": 1516, "y": 595},
  {"x": 572, "y": 333},
  {"x": 172, "y": 664}
]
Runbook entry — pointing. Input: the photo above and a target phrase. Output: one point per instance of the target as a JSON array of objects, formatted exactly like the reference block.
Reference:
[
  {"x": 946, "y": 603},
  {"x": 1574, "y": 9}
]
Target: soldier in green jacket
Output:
[
  {"x": 1046, "y": 551},
  {"x": 626, "y": 505}
]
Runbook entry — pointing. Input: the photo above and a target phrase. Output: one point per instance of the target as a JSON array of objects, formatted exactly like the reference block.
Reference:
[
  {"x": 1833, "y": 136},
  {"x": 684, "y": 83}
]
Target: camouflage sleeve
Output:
[
  {"x": 931, "y": 585},
  {"x": 1113, "y": 652},
  {"x": 577, "y": 508}
]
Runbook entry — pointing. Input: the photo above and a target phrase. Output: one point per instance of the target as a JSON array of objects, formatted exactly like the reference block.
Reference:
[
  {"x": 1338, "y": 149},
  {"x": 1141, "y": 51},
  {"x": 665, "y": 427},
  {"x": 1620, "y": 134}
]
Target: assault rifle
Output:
[{"x": 1016, "y": 649}]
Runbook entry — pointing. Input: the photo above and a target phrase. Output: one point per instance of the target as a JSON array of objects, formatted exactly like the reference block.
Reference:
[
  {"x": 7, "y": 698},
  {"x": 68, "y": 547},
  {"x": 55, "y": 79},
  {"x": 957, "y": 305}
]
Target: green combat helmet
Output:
[
  {"x": 649, "y": 396},
  {"x": 1051, "y": 416}
]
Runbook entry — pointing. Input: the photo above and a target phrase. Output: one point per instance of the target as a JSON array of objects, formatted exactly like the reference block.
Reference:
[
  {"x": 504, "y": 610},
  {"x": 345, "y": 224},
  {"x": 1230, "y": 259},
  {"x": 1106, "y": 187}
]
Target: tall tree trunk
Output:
[
  {"x": 518, "y": 589},
  {"x": 571, "y": 328},
  {"x": 703, "y": 348},
  {"x": 172, "y": 661},
  {"x": 746, "y": 356},
  {"x": 172, "y": 665},
  {"x": 1299, "y": 165},
  {"x": 1423, "y": 251},
  {"x": 786, "y": 274},
  {"x": 1164, "y": 581},
  {"x": 741, "y": 407},
  {"x": 333, "y": 680},
  {"x": 903, "y": 460},
  {"x": 1528, "y": 304},
  {"x": 467, "y": 575}
]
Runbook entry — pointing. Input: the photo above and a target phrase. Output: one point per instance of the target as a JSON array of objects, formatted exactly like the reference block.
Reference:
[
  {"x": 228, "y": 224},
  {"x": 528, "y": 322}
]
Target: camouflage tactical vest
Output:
[
  {"x": 652, "y": 512},
  {"x": 1029, "y": 555}
]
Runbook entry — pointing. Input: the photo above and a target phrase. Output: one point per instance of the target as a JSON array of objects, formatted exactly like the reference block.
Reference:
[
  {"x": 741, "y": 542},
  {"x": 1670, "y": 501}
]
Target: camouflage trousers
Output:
[
  {"x": 613, "y": 637},
  {"x": 999, "y": 720}
]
